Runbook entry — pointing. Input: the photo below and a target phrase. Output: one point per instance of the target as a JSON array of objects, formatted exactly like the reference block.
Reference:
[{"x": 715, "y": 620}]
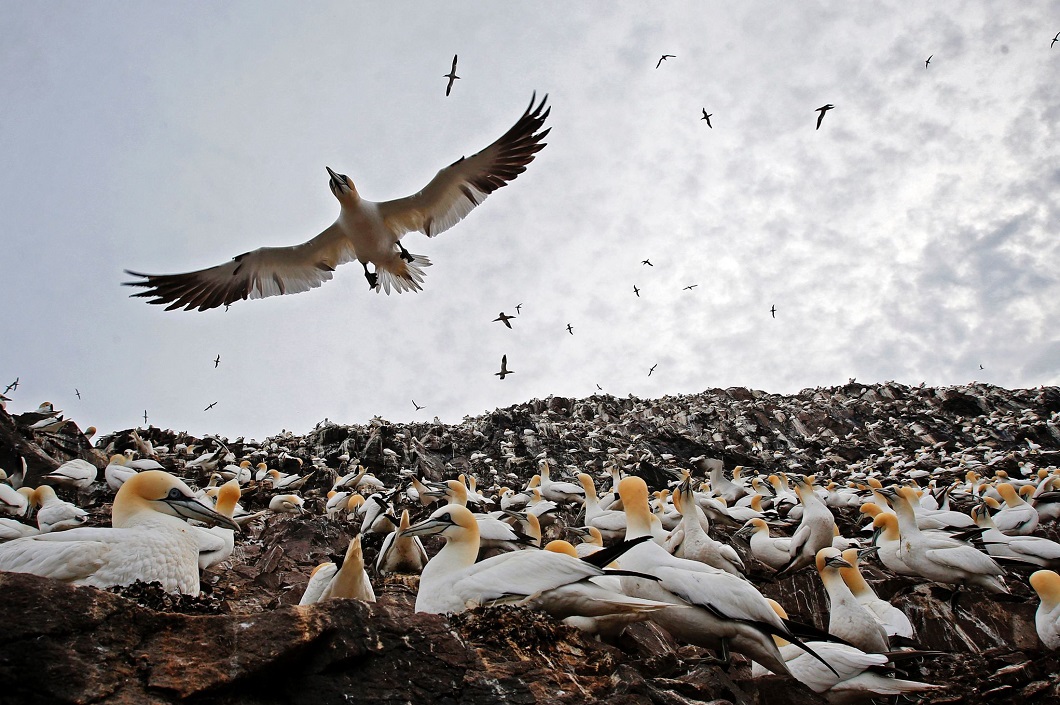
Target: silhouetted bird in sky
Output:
[
  {"x": 13, "y": 387},
  {"x": 569, "y": 329},
  {"x": 209, "y": 407},
  {"x": 823, "y": 109},
  {"x": 503, "y": 318},
  {"x": 981, "y": 367},
  {"x": 217, "y": 361},
  {"x": 690, "y": 287},
  {"x": 663, "y": 58},
  {"x": 928, "y": 61},
  {"x": 636, "y": 291},
  {"x": 504, "y": 368},
  {"x": 599, "y": 387},
  {"x": 77, "y": 392},
  {"x": 773, "y": 310},
  {"x": 706, "y": 117},
  {"x": 647, "y": 262},
  {"x": 145, "y": 417},
  {"x": 451, "y": 76},
  {"x": 418, "y": 407},
  {"x": 518, "y": 308},
  {"x": 652, "y": 368},
  {"x": 1055, "y": 40}
]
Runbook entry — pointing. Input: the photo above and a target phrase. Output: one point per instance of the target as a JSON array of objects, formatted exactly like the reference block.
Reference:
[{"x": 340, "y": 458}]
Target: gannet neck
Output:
[
  {"x": 852, "y": 576},
  {"x": 634, "y": 494},
  {"x": 590, "y": 488},
  {"x": 457, "y": 492},
  {"x": 1047, "y": 584}
]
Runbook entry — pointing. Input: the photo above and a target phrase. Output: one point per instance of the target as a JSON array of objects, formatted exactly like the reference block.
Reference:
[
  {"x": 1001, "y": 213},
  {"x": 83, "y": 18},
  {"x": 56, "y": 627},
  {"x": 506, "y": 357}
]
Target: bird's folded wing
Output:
[
  {"x": 520, "y": 573},
  {"x": 50, "y": 556},
  {"x": 268, "y": 271},
  {"x": 458, "y": 188}
]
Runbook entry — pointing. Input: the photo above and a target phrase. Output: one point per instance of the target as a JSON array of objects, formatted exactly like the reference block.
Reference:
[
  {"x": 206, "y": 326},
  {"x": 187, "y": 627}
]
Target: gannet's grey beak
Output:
[{"x": 191, "y": 508}]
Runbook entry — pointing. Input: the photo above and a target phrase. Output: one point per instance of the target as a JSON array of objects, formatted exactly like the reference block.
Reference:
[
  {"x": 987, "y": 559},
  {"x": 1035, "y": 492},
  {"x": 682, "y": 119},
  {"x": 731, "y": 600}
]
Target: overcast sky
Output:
[{"x": 914, "y": 237}]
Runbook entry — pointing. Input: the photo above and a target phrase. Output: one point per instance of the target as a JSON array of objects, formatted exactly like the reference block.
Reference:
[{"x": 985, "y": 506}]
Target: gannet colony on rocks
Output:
[{"x": 839, "y": 545}]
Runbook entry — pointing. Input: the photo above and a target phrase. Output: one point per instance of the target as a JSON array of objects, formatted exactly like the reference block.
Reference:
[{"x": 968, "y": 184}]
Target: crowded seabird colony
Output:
[{"x": 689, "y": 512}]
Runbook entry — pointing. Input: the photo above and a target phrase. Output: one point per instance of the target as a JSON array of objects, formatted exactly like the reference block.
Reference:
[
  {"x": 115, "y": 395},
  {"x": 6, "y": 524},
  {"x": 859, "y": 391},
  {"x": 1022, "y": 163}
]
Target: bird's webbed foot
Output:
[
  {"x": 405, "y": 253},
  {"x": 372, "y": 277}
]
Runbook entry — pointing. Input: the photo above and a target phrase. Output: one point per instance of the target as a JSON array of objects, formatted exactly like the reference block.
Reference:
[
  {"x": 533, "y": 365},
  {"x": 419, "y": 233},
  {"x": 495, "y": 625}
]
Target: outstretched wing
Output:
[
  {"x": 457, "y": 189},
  {"x": 268, "y": 271}
]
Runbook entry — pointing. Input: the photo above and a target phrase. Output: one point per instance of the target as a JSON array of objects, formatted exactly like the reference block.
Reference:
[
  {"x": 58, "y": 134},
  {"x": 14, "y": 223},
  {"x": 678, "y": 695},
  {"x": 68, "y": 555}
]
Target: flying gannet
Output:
[
  {"x": 148, "y": 540},
  {"x": 365, "y": 230}
]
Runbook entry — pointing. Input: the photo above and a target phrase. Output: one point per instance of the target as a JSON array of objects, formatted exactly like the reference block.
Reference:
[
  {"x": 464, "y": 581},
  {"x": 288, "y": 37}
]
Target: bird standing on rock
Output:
[{"x": 365, "y": 230}]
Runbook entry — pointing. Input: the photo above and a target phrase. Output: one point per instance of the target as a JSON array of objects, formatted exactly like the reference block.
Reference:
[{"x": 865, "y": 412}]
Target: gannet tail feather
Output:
[{"x": 401, "y": 275}]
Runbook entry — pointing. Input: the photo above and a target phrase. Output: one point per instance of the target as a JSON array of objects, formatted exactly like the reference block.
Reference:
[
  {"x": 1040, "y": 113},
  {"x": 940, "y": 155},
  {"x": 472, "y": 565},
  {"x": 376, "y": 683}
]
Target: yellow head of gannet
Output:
[
  {"x": 561, "y": 546},
  {"x": 158, "y": 491},
  {"x": 1047, "y": 619},
  {"x": 287, "y": 504}
]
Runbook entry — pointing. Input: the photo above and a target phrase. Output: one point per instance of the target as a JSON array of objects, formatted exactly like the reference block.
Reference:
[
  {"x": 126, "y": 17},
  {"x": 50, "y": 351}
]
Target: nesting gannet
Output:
[
  {"x": 1017, "y": 517},
  {"x": 287, "y": 504},
  {"x": 848, "y": 619},
  {"x": 216, "y": 543},
  {"x": 493, "y": 532},
  {"x": 1036, "y": 550},
  {"x": 348, "y": 580},
  {"x": 940, "y": 558},
  {"x": 696, "y": 544},
  {"x": 851, "y": 676},
  {"x": 816, "y": 528},
  {"x": 149, "y": 540},
  {"x": 117, "y": 472},
  {"x": 76, "y": 474},
  {"x": 711, "y": 607},
  {"x": 365, "y": 231},
  {"x": 773, "y": 552},
  {"x": 55, "y": 514},
  {"x": 558, "y": 491},
  {"x": 15, "y": 502},
  {"x": 1047, "y": 619},
  {"x": 556, "y": 583},
  {"x": 894, "y": 621},
  {"x": 401, "y": 553}
]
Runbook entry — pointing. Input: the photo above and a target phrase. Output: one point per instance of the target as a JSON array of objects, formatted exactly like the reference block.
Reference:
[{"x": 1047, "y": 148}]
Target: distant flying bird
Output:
[
  {"x": 599, "y": 387},
  {"x": 207, "y": 408},
  {"x": 981, "y": 367},
  {"x": 647, "y": 262},
  {"x": 1055, "y": 39},
  {"x": 451, "y": 76},
  {"x": 418, "y": 407},
  {"x": 569, "y": 329},
  {"x": 690, "y": 287},
  {"x": 518, "y": 308},
  {"x": 707, "y": 117},
  {"x": 823, "y": 109},
  {"x": 636, "y": 291},
  {"x": 365, "y": 231},
  {"x": 773, "y": 310},
  {"x": 145, "y": 417},
  {"x": 504, "y": 368},
  {"x": 503, "y": 319},
  {"x": 216, "y": 361},
  {"x": 13, "y": 387},
  {"x": 77, "y": 392},
  {"x": 663, "y": 58},
  {"x": 928, "y": 61},
  {"x": 652, "y": 368}
]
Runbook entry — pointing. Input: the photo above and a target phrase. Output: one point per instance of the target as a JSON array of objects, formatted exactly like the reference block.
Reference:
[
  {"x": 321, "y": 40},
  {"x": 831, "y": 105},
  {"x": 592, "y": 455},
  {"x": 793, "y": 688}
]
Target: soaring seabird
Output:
[
  {"x": 451, "y": 76},
  {"x": 503, "y": 318},
  {"x": 663, "y": 58},
  {"x": 365, "y": 230},
  {"x": 504, "y": 368},
  {"x": 707, "y": 116},
  {"x": 823, "y": 109}
]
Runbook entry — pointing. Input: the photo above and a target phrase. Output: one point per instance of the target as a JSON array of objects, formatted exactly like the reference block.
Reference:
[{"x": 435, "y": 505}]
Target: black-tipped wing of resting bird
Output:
[{"x": 365, "y": 231}]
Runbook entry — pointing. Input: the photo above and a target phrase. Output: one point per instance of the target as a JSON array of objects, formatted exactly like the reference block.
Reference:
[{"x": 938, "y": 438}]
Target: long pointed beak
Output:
[
  {"x": 838, "y": 562},
  {"x": 333, "y": 175},
  {"x": 191, "y": 508},
  {"x": 426, "y": 528}
]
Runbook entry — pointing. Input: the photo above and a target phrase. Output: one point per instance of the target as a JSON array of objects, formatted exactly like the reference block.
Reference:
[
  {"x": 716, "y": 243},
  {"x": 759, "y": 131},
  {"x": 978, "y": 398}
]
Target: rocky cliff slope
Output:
[{"x": 244, "y": 640}]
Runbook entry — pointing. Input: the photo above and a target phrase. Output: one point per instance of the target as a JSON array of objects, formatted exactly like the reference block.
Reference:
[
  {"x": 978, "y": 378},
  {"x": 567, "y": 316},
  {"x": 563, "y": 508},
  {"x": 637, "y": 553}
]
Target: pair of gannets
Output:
[
  {"x": 851, "y": 674},
  {"x": 709, "y": 607},
  {"x": 149, "y": 540},
  {"x": 554, "y": 582}
]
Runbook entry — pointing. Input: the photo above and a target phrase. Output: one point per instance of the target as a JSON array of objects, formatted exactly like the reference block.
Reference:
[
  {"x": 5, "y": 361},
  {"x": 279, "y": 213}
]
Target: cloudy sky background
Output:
[{"x": 913, "y": 238}]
